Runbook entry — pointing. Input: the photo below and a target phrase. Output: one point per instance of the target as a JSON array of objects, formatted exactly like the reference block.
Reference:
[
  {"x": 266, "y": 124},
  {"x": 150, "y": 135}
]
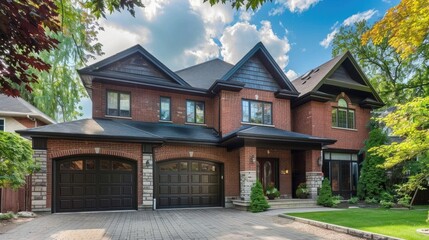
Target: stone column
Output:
[
  {"x": 39, "y": 182},
  {"x": 314, "y": 182},
  {"x": 147, "y": 181},
  {"x": 247, "y": 171}
]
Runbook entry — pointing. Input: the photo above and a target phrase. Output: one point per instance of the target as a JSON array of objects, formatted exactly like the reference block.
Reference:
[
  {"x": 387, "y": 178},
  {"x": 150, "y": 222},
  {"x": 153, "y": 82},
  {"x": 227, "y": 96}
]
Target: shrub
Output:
[
  {"x": 272, "y": 192},
  {"x": 6, "y": 216},
  {"x": 325, "y": 197},
  {"x": 258, "y": 203},
  {"x": 336, "y": 200},
  {"x": 387, "y": 197},
  {"x": 386, "y": 204},
  {"x": 302, "y": 191},
  {"x": 404, "y": 201},
  {"x": 353, "y": 200},
  {"x": 371, "y": 201}
]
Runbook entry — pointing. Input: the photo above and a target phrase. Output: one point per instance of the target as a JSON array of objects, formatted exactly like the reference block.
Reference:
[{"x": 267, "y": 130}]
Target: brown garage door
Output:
[
  {"x": 189, "y": 183},
  {"x": 94, "y": 184}
]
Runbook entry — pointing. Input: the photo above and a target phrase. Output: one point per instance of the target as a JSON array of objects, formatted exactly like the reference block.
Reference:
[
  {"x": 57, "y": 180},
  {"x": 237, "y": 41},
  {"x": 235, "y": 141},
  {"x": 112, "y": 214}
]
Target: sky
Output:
[{"x": 182, "y": 33}]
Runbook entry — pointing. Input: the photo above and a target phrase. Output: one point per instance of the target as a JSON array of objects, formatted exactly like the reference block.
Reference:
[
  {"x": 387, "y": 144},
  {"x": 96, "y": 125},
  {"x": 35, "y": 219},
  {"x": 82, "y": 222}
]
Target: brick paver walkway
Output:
[{"x": 172, "y": 224}]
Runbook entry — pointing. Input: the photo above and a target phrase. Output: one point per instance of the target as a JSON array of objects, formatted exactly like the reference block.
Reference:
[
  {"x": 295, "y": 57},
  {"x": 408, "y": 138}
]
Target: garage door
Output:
[
  {"x": 188, "y": 183},
  {"x": 94, "y": 184}
]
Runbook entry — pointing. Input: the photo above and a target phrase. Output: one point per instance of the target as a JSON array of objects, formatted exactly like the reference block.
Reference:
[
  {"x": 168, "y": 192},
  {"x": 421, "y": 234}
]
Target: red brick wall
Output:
[
  {"x": 28, "y": 123},
  {"x": 61, "y": 148},
  {"x": 229, "y": 159},
  {"x": 231, "y": 112},
  {"x": 145, "y": 103}
]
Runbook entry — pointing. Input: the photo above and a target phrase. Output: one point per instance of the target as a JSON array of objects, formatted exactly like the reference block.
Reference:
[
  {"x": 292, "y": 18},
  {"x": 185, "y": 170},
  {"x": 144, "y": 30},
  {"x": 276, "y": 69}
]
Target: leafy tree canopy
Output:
[
  {"x": 405, "y": 25},
  {"x": 16, "y": 160},
  {"x": 237, "y": 4}
]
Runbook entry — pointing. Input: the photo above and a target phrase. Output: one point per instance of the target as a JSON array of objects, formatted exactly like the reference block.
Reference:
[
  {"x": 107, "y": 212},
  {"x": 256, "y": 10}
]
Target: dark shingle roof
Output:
[
  {"x": 16, "y": 106},
  {"x": 203, "y": 75}
]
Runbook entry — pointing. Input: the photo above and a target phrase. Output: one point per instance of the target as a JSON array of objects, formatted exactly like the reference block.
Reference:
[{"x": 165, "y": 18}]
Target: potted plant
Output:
[
  {"x": 272, "y": 192},
  {"x": 302, "y": 191}
]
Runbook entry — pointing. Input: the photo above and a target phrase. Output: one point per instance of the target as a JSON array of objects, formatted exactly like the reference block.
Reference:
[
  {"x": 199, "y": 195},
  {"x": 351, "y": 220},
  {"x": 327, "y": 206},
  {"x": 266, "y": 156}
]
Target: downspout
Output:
[{"x": 32, "y": 119}]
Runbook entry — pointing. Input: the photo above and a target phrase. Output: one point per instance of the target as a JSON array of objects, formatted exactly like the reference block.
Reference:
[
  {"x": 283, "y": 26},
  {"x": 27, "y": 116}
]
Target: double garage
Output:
[{"x": 101, "y": 183}]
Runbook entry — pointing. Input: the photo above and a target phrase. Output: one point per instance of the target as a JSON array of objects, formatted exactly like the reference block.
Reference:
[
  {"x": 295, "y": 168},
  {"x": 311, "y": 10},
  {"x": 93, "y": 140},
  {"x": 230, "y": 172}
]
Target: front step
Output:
[{"x": 279, "y": 204}]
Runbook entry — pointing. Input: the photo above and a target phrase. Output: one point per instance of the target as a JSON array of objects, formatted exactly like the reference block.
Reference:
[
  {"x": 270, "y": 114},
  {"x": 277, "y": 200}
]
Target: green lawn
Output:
[{"x": 397, "y": 223}]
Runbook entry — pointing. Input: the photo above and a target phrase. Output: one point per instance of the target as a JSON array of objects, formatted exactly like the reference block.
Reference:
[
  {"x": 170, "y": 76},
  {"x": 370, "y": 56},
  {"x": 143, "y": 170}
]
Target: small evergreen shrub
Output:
[
  {"x": 371, "y": 201},
  {"x": 6, "y": 216},
  {"x": 405, "y": 201},
  {"x": 353, "y": 200},
  {"x": 325, "y": 197},
  {"x": 258, "y": 203},
  {"x": 386, "y": 204},
  {"x": 302, "y": 191},
  {"x": 387, "y": 197},
  {"x": 336, "y": 200}
]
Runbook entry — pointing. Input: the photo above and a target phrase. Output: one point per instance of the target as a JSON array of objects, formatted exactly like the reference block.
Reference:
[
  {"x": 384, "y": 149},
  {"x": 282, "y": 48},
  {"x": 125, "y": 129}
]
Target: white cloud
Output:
[
  {"x": 291, "y": 74},
  {"x": 239, "y": 38},
  {"x": 358, "y": 17},
  {"x": 215, "y": 17},
  {"x": 292, "y": 6},
  {"x": 327, "y": 41}
]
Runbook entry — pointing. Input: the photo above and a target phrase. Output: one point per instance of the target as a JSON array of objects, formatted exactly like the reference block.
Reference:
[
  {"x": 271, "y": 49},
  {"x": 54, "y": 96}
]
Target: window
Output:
[
  {"x": 342, "y": 170},
  {"x": 2, "y": 125},
  {"x": 164, "y": 112},
  {"x": 194, "y": 112},
  {"x": 118, "y": 104},
  {"x": 342, "y": 116},
  {"x": 257, "y": 112}
]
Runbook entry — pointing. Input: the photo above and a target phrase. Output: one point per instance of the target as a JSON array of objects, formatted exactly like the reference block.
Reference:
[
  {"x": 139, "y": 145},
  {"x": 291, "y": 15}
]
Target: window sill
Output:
[
  {"x": 196, "y": 124},
  {"x": 111, "y": 116},
  {"x": 165, "y": 121},
  {"x": 258, "y": 124},
  {"x": 348, "y": 129}
]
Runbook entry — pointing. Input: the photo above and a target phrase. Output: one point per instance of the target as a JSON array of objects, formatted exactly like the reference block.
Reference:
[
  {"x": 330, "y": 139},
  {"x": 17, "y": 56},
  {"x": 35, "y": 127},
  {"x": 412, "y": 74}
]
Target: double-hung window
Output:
[
  {"x": 194, "y": 111},
  {"x": 118, "y": 104},
  {"x": 343, "y": 116},
  {"x": 2, "y": 124},
  {"x": 165, "y": 109},
  {"x": 257, "y": 112}
]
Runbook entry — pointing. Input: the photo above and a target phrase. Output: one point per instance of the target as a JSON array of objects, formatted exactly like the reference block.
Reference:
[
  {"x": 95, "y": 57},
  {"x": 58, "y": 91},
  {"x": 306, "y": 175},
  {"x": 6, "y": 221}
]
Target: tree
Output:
[
  {"x": 372, "y": 179},
  {"x": 25, "y": 28},
  {"x": 16, "y": 160},
  {"x": 237, "y": 4},
  {"x": 325, "y": 196},
  {"x": 258, "y": 203},
  {"x": 405, "y": 25},
  {"x": 409, "y": 122},
  {"x": 394, "y": 78}
]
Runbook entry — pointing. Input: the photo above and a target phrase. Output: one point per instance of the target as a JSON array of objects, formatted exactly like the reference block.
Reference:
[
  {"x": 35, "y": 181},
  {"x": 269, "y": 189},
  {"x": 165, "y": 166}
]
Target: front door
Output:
[{"x": 268, "y": 172}]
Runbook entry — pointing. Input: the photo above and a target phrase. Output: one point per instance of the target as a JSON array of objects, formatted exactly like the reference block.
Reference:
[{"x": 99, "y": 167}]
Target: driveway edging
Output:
[{"x": 341, "y": 229}]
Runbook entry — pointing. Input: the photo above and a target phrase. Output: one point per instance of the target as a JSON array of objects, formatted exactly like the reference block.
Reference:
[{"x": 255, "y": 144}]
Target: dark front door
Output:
[
  {"x": 189, "y": 183},
  {"x": 94, "y": 184},
  {"x": 268, "y": 172}
]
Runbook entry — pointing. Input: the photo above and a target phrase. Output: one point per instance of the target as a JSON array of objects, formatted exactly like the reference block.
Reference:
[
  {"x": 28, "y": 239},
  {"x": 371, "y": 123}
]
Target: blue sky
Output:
[{"x": 182, "y": 33}]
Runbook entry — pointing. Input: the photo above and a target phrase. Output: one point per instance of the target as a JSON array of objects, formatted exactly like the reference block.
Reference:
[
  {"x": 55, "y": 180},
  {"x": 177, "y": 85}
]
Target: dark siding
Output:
[
  {"x": 341, "y": 74},
  {"x": 254, "y": 74},
  {"x": 136, "y": 65}
]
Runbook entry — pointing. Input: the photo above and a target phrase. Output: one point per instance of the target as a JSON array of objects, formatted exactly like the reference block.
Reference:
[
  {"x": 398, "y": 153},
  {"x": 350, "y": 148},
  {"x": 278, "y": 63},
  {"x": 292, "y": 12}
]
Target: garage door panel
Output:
[
  {"x": 188, "y": 183},
  {"x": 95, "y": 184}
]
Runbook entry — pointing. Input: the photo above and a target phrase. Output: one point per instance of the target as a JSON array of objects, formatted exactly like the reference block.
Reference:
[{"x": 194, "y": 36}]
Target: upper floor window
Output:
[
  {"x": 2, "y": 125},
  {"x": 343, "y": 116},
  {"x": 194, "y": 111},
  {"x": 257, "y": 112},
  {"x": 118, "y": 104},
  {"x": 165, "y": 109}
]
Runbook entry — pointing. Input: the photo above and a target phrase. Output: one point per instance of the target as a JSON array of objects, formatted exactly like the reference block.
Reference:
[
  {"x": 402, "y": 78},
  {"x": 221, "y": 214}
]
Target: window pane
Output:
[
  {"x": 121, "y": 166},
  {"x": 199, "y": 118},
  {"x": 1, "y": 124},
  {"x": 165, "y": 109},
  {"x": 267, "y": 113},
  {"x": 90, "y": 165},
  {"x": 334, "y": 118},
  {"x": 105, "y": 165},
  {"x": 327, "y": 156},
  {"x": 112, "y": 103},
  {"x": 76, "y": 165},
  {"x": 342, "y": 118},
  {"x": 256, "y": 112},
  {"x": 355, "y": 175},
  {"x": 325, "y": 169},
  {"x": 335, "y": 176},
  {"x": 125, "y": 104},
  {"x": 245, "y": 105},
  {"x": 183, "y": 166},
  {"x": 345, "y": 176},
  {"x": 351, "y": 119},
  {"x": 342, "y": 103},
  {"x": 190, "y": 111},
  {"x": 341, "y": 156},
  {"x": 195, "y": 167}
]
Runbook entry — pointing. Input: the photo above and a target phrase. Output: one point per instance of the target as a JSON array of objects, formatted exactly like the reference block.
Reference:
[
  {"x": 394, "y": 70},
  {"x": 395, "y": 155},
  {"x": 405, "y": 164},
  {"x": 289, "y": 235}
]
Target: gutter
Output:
[{"x": 26, "y": 115}]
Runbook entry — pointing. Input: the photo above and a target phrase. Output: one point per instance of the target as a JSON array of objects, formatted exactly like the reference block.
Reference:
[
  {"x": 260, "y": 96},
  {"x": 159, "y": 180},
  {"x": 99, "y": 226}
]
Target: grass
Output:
[{"x": 396, "y": 223}]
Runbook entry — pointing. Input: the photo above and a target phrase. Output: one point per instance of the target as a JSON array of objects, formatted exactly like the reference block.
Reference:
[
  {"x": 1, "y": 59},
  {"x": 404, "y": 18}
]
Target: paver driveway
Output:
[{"x": 172, "y": 224}]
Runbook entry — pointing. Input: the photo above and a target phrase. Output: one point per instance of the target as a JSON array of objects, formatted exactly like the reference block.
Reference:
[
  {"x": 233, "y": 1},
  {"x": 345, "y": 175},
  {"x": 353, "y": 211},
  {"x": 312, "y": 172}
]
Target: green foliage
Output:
[
  {"x": 404, "y": 201},
  {"x": 302, "y": 191},
  {"x": 6, "y": 216},
  {"x": 99, "y": 7},
  {"x": 373, "y": 178},
  {"x": 353, "y": 200},
  {"x": 258, "y": 203},
  {"x": 237, "y": 4},
  {"x": 371, "y": 201},
  {"x": 16, "y": 160},
  {"x": 325, "y": 196},
  {"x": 427, "y": 220},
  {"x": 336, "y": 200},
  {"x": 272, "y": 192},
  {"x": 386, "y": 204}
]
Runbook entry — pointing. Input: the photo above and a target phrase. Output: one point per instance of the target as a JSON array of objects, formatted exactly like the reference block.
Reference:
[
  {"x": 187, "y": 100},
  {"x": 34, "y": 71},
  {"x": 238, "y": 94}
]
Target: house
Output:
[
  {"x": 17, "y": 114},
  {"x": 202, "y": 136}
]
